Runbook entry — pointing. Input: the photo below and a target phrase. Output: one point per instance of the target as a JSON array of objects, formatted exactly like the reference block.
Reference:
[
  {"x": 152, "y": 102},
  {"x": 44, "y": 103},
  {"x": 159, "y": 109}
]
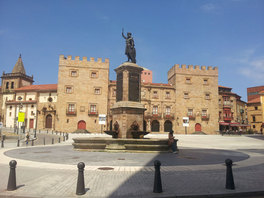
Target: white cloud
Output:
[
  {"x": 252, "y": 67},
  {"x": 209, "y": 7}
]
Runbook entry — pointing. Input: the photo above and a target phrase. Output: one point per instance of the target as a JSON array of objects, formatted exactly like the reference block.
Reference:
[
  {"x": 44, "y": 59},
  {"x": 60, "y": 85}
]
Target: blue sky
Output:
[{"x": 228, "y": 34}]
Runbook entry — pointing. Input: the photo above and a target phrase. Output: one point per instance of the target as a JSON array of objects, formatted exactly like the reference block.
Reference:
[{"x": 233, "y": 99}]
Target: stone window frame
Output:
[
  {"x": 7, "y": 85},
  {"x": 168, "y": 110},
  {"x": 204, "y": 112},
  {"x": 188, "y": 80},
  {"x": 155, "y": 94},
  {"x": 94, "y": 74},
  {"x": 207, "y": 96},
  {"x": 155, "y": 109},
  {"x": 71, "y": 88},
  {"x": 12, "y": 86},
  {"x": 206, "y": 81},
  {"x": 255, "y": 108},
  {"x": 186, "y": 95},
  {"x": 167, "y": 95},
  {"x": 93, "y": 108},
  {"x": 97, "y": 90},
  {"x": 72, "y": 71},
  {"x": 190, "y": 113},
  {"x": 71, "y": 107}
]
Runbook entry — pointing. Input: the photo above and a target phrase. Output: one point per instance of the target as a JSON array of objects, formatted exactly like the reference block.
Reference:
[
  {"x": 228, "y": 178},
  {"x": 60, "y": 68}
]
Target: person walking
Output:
[
  {"x": 172, "y": 142},
  {"x": 27, "y": 138}
]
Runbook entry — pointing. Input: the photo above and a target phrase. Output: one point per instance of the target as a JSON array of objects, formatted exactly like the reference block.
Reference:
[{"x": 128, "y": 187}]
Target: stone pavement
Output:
[{"x": 198, "y": 169}]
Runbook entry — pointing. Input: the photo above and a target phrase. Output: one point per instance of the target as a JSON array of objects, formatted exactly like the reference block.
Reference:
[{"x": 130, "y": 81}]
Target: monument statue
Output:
[{"x": 130, "y": 47}]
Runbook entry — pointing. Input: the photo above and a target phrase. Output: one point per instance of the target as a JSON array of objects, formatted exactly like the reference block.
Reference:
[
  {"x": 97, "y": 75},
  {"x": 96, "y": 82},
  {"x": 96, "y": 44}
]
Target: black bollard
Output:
[
  {"x": 67, "y": 136},
  {"x": 32, "y": 142},
  {"x": 59, "y": 139},
  {"x": 229, "y": 175},
  {"x": 2, "y": 144},
  {"x": 80, "y": 190},
  {"x": 157, "y": 181},
  {"x": 44, "y": 142},
  {"x": 12, "y": 176},
  {"x": 18, "y": 142},
  {"x": 52, "y": 141}
]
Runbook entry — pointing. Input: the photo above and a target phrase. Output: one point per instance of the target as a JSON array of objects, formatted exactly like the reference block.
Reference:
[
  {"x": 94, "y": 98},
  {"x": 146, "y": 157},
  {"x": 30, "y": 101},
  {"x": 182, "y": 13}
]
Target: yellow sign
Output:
[{"x": 21, "y": 117}]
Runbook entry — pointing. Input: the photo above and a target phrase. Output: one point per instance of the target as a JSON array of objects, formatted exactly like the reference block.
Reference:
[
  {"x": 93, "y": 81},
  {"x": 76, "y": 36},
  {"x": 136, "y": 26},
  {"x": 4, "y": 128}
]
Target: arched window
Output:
[
  {"x": 167, "y": 126},
  {"x": 48, "y": 122},
  {"x": 155, "y": 126}
]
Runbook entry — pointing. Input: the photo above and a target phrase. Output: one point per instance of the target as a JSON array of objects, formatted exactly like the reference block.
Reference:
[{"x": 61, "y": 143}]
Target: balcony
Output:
[
  {"x": 191, "y": 116},
  {"x": 205, "y": 117},
  {"x": 71, "y": 112},
  {"x": 152, "y": 116},
  {"x": 92, "y": 113},
  {"x": 227, "y": 104},
  {"x": 168, "y": 116},
  {"x": 228, "y": 118}
]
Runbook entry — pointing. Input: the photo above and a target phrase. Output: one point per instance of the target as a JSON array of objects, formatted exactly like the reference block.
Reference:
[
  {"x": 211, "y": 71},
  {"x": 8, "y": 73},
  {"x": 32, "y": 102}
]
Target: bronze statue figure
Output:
[{"x": 130, "y": 47}]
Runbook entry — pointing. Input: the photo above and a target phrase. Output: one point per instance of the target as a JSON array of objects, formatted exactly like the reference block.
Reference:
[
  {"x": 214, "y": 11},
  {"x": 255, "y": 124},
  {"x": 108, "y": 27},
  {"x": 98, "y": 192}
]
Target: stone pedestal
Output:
[{"x": 128, "y": 108}]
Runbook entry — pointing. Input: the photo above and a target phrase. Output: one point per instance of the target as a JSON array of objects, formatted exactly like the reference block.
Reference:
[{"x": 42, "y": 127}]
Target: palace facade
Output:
[{"x": 84, "y": 93}]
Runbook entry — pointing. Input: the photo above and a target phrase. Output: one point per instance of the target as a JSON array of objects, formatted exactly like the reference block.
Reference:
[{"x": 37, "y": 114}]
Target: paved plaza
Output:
[{"x": 198, "y": 169}]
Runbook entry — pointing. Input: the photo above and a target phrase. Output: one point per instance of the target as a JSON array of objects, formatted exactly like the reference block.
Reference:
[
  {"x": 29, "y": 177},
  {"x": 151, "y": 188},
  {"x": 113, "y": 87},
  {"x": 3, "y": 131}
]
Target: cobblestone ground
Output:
[{"x": 198, "y": 171}]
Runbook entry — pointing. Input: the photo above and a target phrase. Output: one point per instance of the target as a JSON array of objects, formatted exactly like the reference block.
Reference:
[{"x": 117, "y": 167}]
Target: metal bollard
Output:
[
  {"x": 44, "y": 142},
  {"x": 60, "y": 133},
  {"x": 52, "y": 141},
  {"x": 229, "y": 175},
  {"x": 67, "y": 136},
  {"x": 39, "y": 130},
  {"x": 80, "y": 190},
  {"x": 2, "y": 143},
  {"x": 63, "y": 133},
  {"x": 52, "y": 132},
  {"x": 157, "y": 181},
  {"x": 64, "y": 138},
  {"x": 18, "y": 143},
  {"x": 59, "y": 139},
  {"x": 32, "y": 142},
  {"x": 47, "y": 131},
  {"x": 12, "y": 176}
]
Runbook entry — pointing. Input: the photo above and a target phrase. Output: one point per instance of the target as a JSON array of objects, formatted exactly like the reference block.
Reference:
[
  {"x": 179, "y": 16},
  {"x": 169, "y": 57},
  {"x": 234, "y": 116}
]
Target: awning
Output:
[
  {"x": 235, "y": 124},
  {"x": 224, "y": 123}
]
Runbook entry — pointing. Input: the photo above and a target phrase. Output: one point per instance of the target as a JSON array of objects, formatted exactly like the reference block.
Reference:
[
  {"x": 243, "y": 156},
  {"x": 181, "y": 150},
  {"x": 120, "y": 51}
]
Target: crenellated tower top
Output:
[{"x": 69, "y": 61}]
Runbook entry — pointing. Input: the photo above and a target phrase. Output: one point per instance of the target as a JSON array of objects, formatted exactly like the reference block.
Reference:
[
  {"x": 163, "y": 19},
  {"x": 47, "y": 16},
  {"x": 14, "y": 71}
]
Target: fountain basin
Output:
[{"x": 121, "y": 145}]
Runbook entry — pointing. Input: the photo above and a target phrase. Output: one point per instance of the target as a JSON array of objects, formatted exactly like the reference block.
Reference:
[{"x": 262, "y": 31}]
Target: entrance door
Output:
[
  {"x": 198, "y": 127},
  {"x": 155, "y": 126},
  {"x": 167, "y": 126},
  {"x": 48, "y": 122},
  {"x": 82, "y": 124},
  {"x": 31, "y": 123}
]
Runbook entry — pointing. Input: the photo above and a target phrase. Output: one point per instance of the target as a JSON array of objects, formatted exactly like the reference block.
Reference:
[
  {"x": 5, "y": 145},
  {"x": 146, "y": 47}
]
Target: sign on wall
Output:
[
  {"x": 102, "y": 119},
  {"x": 185, "y": 121},
  {"x": 21, "y": 116}
]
